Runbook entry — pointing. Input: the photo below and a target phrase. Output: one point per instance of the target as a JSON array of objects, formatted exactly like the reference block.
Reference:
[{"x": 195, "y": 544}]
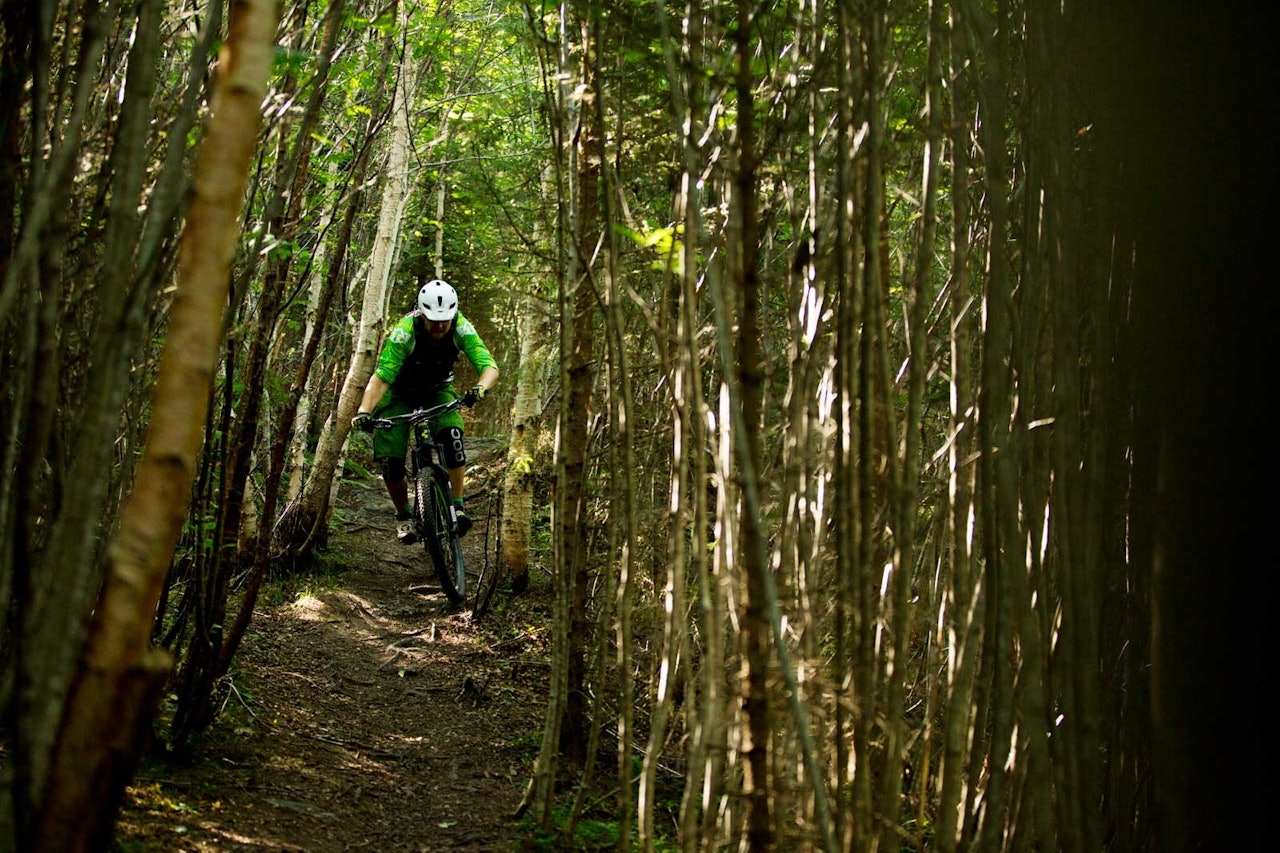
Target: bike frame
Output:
[{"x": 427, "y": 456}]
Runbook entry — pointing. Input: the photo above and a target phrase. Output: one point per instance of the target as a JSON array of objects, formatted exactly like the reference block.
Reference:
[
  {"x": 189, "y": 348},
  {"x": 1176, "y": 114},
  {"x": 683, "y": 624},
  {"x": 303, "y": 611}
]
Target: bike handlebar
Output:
[{"x": 419, "y": 415}]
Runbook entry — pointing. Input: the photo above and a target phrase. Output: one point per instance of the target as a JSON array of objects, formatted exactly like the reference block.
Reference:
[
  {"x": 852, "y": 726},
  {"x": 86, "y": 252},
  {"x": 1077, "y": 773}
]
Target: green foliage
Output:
[
  {"x": 352, "y": 468},
  {"x": 384, "y": 23},
  {"x": 664, "y": 242},
  {"x": 589, "y": 834},
  {"x": 276, "y": 249},
  {"x": 523, "y": 465},
  {"x": 290, "y": 63}
]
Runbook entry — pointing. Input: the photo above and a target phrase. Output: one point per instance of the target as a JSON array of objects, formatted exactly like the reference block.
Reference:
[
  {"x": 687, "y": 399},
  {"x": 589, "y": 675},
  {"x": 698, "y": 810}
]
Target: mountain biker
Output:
[{"x": 415, "y": 370}]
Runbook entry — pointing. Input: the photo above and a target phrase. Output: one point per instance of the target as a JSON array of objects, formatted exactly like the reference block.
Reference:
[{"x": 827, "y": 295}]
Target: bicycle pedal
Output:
[{"x": 464, "y": 523}]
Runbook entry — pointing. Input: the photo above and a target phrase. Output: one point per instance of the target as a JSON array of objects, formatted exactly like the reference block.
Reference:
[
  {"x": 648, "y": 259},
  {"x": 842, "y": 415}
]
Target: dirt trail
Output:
[{"x": 362, "y": 712}]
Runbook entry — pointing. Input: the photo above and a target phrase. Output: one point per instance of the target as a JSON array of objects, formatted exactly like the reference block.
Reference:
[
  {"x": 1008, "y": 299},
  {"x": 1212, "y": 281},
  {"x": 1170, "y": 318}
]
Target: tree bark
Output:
[
  {"x": 210, "y": 652},
  {"x": 108, "y": 709},
  {"x": 962, "y": 627},
  {"x": 757, "y": 726},
  {"x": 526, "y": 419},
  {"x": 395, "y": 197},
  {"x": 578, "y": 378}
]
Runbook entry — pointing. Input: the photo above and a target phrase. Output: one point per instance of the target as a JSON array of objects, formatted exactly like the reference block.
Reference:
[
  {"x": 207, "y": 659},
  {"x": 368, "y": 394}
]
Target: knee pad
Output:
[
  {"x": 454, "y": 454},
  {"x": 392, "y": 469}
]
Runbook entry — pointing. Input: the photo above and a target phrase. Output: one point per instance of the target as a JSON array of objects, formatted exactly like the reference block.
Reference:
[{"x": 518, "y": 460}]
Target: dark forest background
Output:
[{"x": 885, "y": 388}]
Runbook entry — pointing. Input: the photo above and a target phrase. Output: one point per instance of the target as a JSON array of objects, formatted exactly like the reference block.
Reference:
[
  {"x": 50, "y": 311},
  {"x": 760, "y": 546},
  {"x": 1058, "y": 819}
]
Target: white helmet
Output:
[{"x": 438, "y": 300}]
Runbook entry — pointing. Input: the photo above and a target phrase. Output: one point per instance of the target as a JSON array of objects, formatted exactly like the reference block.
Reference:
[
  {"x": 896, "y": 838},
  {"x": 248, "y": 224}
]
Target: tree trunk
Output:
[
  {"x": 314, "y": 505},
  {"x": 290, "y": 532},
  {"x": 284, "y": 429},
  {"x": 108, "y": 709},
  {"x": 526, "y": 419},
  {"x": 962, "y": 628},
  {"x": 578, "y": 378},
  {"x": 210, "y": 651},
  {"x": 754, "y": 663},
  {"x": 689, "y": 479}
]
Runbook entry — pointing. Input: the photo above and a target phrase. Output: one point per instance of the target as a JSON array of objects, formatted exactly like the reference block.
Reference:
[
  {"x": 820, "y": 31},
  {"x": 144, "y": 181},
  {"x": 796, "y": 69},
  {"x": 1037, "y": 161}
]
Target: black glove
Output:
[
  {"x": 362, "y": 421},
  {"x": 475, "y": 395}
]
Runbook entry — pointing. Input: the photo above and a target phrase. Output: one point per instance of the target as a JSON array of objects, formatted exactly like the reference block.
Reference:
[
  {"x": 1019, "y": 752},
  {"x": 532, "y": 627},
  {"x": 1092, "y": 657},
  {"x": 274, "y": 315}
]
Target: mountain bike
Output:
[{"x": 434, "y": 519}]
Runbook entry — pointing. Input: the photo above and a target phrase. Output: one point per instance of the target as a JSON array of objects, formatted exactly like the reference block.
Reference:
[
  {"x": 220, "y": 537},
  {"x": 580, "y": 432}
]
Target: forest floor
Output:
[{"x": 362, "y": 711}]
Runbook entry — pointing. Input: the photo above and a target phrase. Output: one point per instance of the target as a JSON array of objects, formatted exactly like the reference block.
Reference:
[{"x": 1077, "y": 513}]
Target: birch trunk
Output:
[
  {"x": 395, "y": 196},
  {"x": 333, "y": 271},
  {"x": 108, "y": 708},
  {"x": 298, "y": 441},
  {"x": 526, "y": 416}
]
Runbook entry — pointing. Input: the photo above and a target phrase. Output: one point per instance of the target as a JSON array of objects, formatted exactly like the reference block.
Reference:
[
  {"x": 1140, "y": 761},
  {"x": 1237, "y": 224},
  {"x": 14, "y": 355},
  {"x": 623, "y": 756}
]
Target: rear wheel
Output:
[{"x": 435, "y": 521}]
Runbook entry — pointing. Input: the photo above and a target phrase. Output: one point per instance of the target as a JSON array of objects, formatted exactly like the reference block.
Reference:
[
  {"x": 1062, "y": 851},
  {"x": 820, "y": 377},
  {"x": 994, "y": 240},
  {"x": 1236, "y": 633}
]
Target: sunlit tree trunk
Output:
[
  {"x": 282, "y": 432},
  {"x": 288, "y": 527},
  {"x": 803, "y": 557},
  {"x": 526, "y": 433},
  {"x": 211, "y": 647},
  {"x": 314, "y": 504},
  {"x": 707, "y": 694},
  {"x": 1003, "y": 552},
  {"x": 59, "y": 492},
  {"x": 318, "y": 291},
  {"x": 109, "y": 708},
  {"x": 540, "y": 791},
  {"x": 926, "y": 262},
  {"x": 526, "y": 419},
  {"x": 961, "y": 630},
  {"x": 854, "y": 666}
]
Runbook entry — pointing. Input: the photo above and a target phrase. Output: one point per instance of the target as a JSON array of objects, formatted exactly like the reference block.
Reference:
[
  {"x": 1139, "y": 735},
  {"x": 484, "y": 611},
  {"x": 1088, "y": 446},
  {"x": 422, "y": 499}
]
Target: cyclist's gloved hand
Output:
[
  {"x": 362, "y": 421},
  {"x": 475, "y": 395}
]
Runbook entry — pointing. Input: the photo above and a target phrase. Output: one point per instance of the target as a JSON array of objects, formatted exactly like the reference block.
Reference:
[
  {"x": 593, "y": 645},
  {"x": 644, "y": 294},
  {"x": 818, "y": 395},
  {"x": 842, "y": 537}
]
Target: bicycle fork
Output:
[{"x": 442, "y": 477}]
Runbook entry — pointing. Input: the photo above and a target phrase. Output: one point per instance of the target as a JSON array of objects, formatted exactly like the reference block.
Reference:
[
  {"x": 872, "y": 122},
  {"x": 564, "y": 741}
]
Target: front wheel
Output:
[{"x": 435, "y": 520}]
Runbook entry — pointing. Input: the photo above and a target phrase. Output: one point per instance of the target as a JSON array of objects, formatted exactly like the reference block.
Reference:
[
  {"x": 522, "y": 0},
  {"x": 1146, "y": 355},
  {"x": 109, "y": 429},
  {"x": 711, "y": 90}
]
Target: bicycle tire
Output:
[{"x": 435, "y": 521}]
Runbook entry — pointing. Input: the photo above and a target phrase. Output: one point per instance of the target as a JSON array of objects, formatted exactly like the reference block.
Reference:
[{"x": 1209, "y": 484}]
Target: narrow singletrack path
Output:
[{"x": 362, "y": 711}]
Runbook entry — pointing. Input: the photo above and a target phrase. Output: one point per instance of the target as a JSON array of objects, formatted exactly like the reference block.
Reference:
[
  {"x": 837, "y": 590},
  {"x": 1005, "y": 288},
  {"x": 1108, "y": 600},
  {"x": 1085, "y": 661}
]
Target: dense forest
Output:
[{"x": 879, "y": 388}]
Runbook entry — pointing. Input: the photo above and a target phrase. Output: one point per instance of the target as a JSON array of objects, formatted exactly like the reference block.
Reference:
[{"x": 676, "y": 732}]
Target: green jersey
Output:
[{"x": 416, "y": 367}]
